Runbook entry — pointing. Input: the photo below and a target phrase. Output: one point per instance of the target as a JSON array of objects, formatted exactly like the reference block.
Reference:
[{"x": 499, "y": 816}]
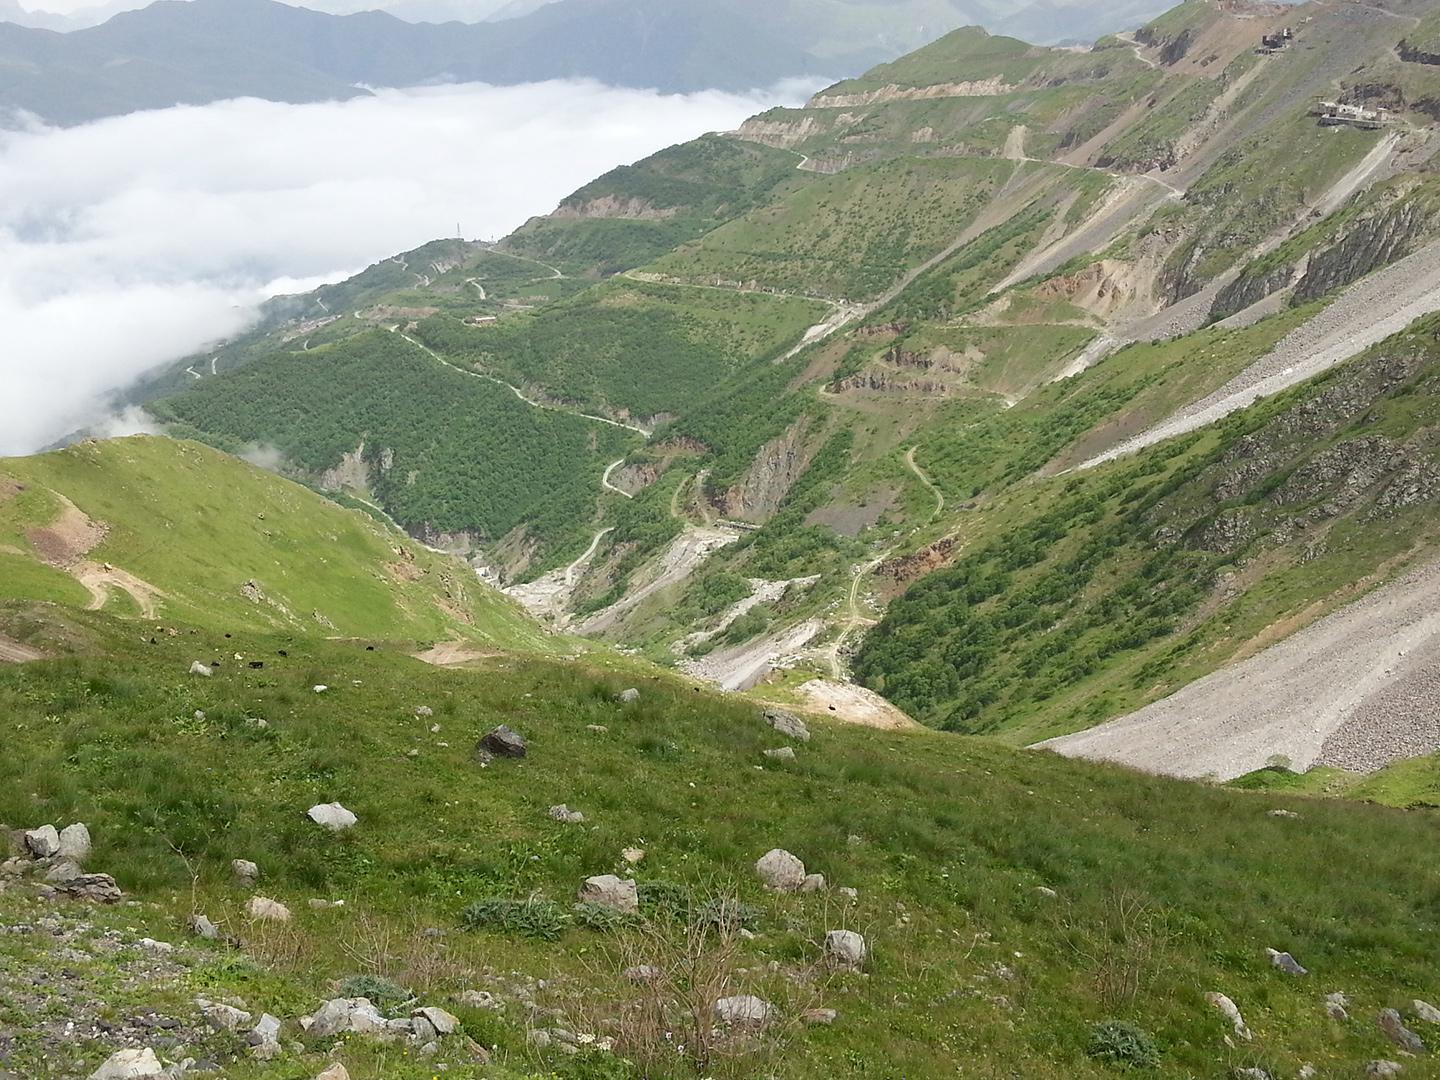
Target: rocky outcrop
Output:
[
  {"x": 774, "y": 471},
  {"x": 1417, "y": 53},
  {"x": 784, "y": 134},
  {"x": 1370, "y": 244},
  {"x": 991, "y": 87},
  {"x": 613, "y": 207},
  {"x": 1252, "y": 287}
]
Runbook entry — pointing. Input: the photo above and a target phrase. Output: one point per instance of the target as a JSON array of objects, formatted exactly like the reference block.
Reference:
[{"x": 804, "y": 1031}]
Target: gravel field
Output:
[
  {"x": 1358, "y": 689},
  {"x": 1366, "y": 313}
]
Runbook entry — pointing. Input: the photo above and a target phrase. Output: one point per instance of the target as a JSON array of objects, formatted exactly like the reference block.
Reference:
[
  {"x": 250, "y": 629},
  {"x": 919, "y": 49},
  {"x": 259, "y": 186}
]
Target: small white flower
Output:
[{"x": 585, "y": 1038}]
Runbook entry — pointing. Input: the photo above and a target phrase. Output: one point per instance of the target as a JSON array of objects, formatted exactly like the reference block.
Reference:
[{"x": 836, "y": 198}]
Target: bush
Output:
[
  {"x": 668, "y": 899},
  {"x": 532, "y": 917},
  {"x": 1118, "y": 1043},
  {"x": 600, "y": 917},
  {"x": 384, "y": 994}
]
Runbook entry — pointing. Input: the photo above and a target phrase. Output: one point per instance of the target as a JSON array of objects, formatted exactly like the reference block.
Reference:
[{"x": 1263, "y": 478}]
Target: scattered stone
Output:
[
  {"x": 197, "y": 668},
  {"x": 849, "y": 893},
  {"x": 813, "y": 883},
  {"x": 225, "y": 1017},
  {"x": 1396, "y": 1031},
  {"x": 539, "y": 1038},
  {"x": 96, "y": 888},
  {"x": 139, "y": 1064},
  {"x": 607, "y": 890},
  {"x": 743, "y": 1009},
  {"x": 597, "y": 729},
  {"x": 643, "y": 973},
  {"x": 263, "y": 909},
  {"x": 245, "y": 871},
  {"x": 62, "y": 871},
  {"x": 320, "y": 689},
  {"x": 1046, "y": 891},
  {"x": 424, "y": 710},
  {"x": 332, "y": 816},
  {"x": 341, "y": 1015},
  {"x": 628, "y": 697},
  {"x": 202, "y": 927},
  {"x": 443, "y": 1022},
  {"x": 75, "y": 842},
  {"x": 1382, "y": 1068},
  {"x": 259, "y": 723},
  {"x": 480, "y": 999},
  {"x": 265, "y": 1038},
  {"x": 502, "y": 742},
  {"x": 632, "y": 855},
  {"x": 784, "y": 753},
  {"x": 1251, "y": 1073},
  {"x": 1425, "y": 1011},
  {"x": 1307, "y": 1072},
  {"x": 43, "y": 843},
  {"x": 316, "y": 903},
  {"x": 1336, "y": 1005},
  {"x": 1231, "y": 1013},
  {"x": 819, "y": 1017},
  {"x": 563, "y": 813},
  {"x": 334, "y": 1072},
  {"x": 787, "y": 724},
  {"x": 1282, "y": 813},
  {"x": 845, "y": 949},
  {"x": 780, "y": 870},
  {"x": 1285, "y": 962}
]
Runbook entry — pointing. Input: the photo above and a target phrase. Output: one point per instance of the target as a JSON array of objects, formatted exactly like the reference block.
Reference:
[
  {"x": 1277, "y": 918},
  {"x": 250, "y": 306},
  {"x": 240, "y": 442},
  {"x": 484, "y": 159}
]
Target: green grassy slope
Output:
[
  {"x": 1164, "y": 891},
  {"x": 199, "y": 527}
]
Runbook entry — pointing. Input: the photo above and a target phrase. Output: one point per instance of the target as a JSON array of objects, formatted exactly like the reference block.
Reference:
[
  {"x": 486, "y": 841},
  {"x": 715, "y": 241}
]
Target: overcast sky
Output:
[{"x": 133, "y": 241}]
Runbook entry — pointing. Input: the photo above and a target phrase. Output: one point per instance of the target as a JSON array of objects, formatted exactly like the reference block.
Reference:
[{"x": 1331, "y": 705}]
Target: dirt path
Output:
[
  {"x": 13, "y": 652},
  {"x": 480, "y": 288},
  {"x": 930, "y": 484},
  {"x": 554, "y": 273},
  {"x": 1128, "y": 37},
  {"x": 682, "y": 558},
  {"x": 1358, "y": 689},
  {"x": 65, "y": 543},
  {"x": 1366, "y": 313},
  {"x": 548, "y": 596},
  {"x": 855, "y": 705},
  {"x": 453, "y": 654},
  {"x": 605, "y": 479},
  {"x": 100, "y": 578}
]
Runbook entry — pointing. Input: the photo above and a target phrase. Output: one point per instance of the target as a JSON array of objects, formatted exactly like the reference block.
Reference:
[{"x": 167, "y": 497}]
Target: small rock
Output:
[
  {"x": 422, "y": 1029},
  {"x": 341, "y": 1015},
  {"x": 1251, "y": 1073},
  {"x": 320, "y": 689},
  {"x": 443, "y": 1022},
  {"x": 202, "y": 927},
  {"x": 1282, "y": 813},
  {"x": 597, "y": 729},
  {"x": 502, "y": 742},
  {"x": 849, "y": 893},
  {"x": 266, "y": 1030},
  {"x": 813, "y": 883},
  {"x": 643, "y": 973},
  {"x": 225, "y": 1017},
  {"x": 780, "y": 870},
  {"x": 97, "y": 888},
  {"x": 1382, "y": 1068},
  {"x": 263, "y": 909},
  {"x": 819, "y": 1017},
  {"x": 630, "y": 696},
  {"x": 245, "y": 871},
  {"x": 259, "y": 723},
  {"x": 1307, "y": 1072},
  {"x": 539, "y": 1038},
  {"x": 743, "y": 1009},
  {"x": 1231, "y": 1013},
  {"x": 1285, "y": 962},
  {"x": 334, "y": 1072},
  {"x": 564, "y": 814},
  {"x": 784, "y": 753},
  {"x": 1396, "y": 1031},
  {"x": 139, "y": 1064},
  {"x": 316, "y": 903},
  {"x": 632, "y": 855},
  {"x": 64, "y": 870},
  {"x": 424, "y": 710},
  {"x": 1425, "y": 1011},
  {"x": 787, "y": 724},
  {"x": 607, "y": 890},
  {"x": 197, "y": 668},
  {"x": 332, "y": 816},
  {"x": 480, "y": 999},
  {"x": 43, "y": 843},
  {"x": 75, "y": 842},
  {"x": 1046, "y": 891},
  {"x": 845, "y": 949}
]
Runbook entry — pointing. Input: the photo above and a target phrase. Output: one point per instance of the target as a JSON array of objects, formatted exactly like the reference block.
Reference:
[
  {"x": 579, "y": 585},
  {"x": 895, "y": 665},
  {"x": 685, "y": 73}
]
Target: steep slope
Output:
[{"x": 169, "y": 531}]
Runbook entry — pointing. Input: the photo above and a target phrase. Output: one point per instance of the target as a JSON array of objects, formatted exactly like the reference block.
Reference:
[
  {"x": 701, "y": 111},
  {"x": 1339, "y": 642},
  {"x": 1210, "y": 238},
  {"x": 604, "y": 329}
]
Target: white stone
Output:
[
  {"x": 75, "y": 842},
  {"x": 225, "y": 1017},
  {"x": 244, "y": 870},
  {"x": 1425, "y": 1011},
  {"x": 139, "y": 1064},
  {"x": 202, "y": 927},
  {"x": 813, "y": 883},
  {"x": 743, "y": 1009},
  {"x": 197, "y": 668},
  {"x": 1230, "y": 1011},
  {"x": 784, "y": 753},
  {"x": 334, "y": 1072},
  {"x": 780, "y": 870},
  {"x": 845, "y": 948},
  {"x": 332, "y": 816},
  {"x": 263, "y": 909},
  {"x": 610, "y": 891},
  {"x": 43, "y": 842},
  {"x": 340, "y": 1015},
  {"x": 443, "y": 1022},
  {"x": 630, "y": 696}
]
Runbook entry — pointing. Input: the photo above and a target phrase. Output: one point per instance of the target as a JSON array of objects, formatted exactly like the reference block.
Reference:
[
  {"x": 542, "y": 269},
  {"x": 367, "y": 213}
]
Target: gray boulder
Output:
[
  {"x": 96, "y": 888},
  {"x": 203, "y": 670},
  {"x": 1285, "y": 962},
  {"x": 787, "y": 724},
  {"x": 339, "y": 1016},
  {"x": 443, "y": 1022},
  {"x": 1336, "y": 1006},
  {"x": 564, "y": 814},
  {"x": 630, "y": 696},
  {"x": 139, "y": 1064},
  {"x": 845, "y": 949},
  {"x": 744, "y": 1009},
  {"x": 784, "y": 753},
  {"x": 1425, "y": 1011},
  {"x": 502, "y": 742},
  {"x": 225, "y": 1017},
  {"x": 813, "y": 883},
  {"x": 75, "y": 842},
  {"x": 607, "y": 890},
  {"x": 263, "y": 909},
  {"x": 63, "y": 870},
  {"x": 245, "y": 871},
  {"x": 42, "y": 843},
  {"x": 202, "y": 927},
  {"x": 1396, "y": 1031},
  {"x": 1382, "y": 1068},
  {"x": 1230, "y": 1012},
  {"x": 332, "y": 816},
  {"x": 780, "y": 870}
]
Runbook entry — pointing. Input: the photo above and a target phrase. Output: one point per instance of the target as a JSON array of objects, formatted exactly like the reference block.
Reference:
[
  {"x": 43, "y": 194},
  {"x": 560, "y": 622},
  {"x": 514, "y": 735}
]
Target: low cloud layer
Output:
[{"x": 130, "y": 242}]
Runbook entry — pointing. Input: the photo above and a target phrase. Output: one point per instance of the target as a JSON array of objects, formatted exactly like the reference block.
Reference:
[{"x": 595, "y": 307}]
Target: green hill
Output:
[{"x": 177, "y": 532}]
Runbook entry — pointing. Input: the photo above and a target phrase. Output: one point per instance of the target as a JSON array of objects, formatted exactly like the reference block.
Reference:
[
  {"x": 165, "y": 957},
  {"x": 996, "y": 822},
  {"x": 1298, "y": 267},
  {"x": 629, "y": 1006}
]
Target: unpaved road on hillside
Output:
[
  {"x": 687, "y": 552},
  {"x": 1363, "y": 315},
  {"x": 605, "y": 479},
  {"x": 742, "y": 666},
  {"x": 1358, "y": 690},
  {"x": 548, "y": 596},
  {"x": 13, "y": 652}
]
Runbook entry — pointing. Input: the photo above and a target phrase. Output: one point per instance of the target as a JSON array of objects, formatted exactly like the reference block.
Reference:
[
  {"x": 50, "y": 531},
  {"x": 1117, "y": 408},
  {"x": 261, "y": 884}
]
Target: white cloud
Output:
[{"x": 129, "y": 242}]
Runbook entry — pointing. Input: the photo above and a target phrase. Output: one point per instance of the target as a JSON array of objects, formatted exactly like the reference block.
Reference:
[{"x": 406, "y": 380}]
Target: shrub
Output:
[
  {"x": 532, "y": 917},
  {"x": 668, "y": 899},
  {"x": 600, "y": 917},
  {"x": 384, "y": 994},
  {"x": 1118, "y": 1043}
]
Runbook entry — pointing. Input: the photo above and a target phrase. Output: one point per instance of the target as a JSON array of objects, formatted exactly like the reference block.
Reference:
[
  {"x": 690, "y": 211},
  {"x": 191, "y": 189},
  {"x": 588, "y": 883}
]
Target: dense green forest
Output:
[{"x": 444, "y": 450}]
